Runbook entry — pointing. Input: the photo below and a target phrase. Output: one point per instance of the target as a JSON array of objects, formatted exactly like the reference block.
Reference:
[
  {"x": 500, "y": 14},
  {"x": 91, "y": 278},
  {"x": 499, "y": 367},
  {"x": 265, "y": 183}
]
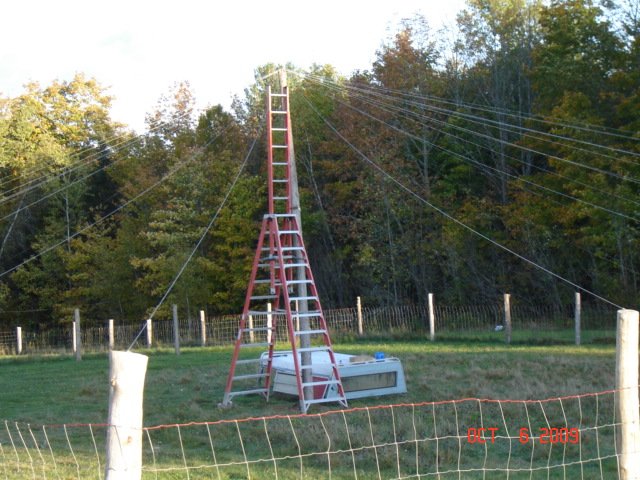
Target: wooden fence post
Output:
[
  {"x": 507, "y": 318},
  {"x": 149, "y": 332},
  {"x": 577, "y": 317},
  {"x": 432, "y": 319},
  {"x": 627, "y": 394},
  {"x": 19, "y": 340},
  {"x": 112, "y": 337},
  {"x": 359, "y": 310},
  {"x": 176, "y": 329},
  {"x": 78, "y": 331},
  {"x": 124, "y": 432},
  {"x": 203, "y": 329}
]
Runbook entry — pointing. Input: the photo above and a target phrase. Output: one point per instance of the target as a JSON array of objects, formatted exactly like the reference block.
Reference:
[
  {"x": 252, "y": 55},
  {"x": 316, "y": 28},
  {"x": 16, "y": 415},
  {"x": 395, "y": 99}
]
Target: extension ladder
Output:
[{"x": 281, "y": 285}]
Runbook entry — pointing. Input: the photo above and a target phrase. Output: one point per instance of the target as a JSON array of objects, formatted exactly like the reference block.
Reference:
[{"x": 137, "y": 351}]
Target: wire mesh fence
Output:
[
  {"x": 530, "y": 324},
  {"x": 570, "y": 437}
]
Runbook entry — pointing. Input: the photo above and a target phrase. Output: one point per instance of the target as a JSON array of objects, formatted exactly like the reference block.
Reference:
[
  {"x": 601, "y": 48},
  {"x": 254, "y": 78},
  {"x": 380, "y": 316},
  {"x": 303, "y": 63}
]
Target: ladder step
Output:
[
  {"x": 298, "y": 282},
  {"x": 279, "y": 164},
  {"x": 249, "y": 376},
  {"x": 263, "y": 297},
  {"x": 295, "y": 265},
  {"x": 281, "y": 198},
  {"x": 293, "y": 299},
  {"x": 256, "y": 329},
  {"x": 323, "y": 382},
  {"x": 279, "y": 146},
  {"x": 279, "y": 112},
  {"x": 248, "y": 392},
  {"x": 292, "y": 249},
  {"x": 254, "y": 345},
  {"x": 310, "y": 332},
  {"x": 313, "y": 349},
  {"x": 264, "y": 281},
  {"x": 280, "y": 180},
  {"x": 264, "y": 312},
  {"x": 309, "y": 314},
  {"x": 278, "y": 129},
  {"x": 279, "y": 95},
  {"x": 289, "y": 232},
  {"x": 285, "y": 215}
]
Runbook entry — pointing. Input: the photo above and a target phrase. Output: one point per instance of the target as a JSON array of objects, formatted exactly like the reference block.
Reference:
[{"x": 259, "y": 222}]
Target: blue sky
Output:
[{"x": 139, "y": 48}]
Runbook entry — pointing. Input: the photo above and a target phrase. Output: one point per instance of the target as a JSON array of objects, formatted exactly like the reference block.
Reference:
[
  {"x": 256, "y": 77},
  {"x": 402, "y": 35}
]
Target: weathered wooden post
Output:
[
  {"x": 432, "y": 319},
  {"x": 112, "y": 337},
  {"x": 252, "y": 336},
  {"x": 507, "y": 318},
  {"x": 627, "y": 394},
  {"x": 78, "y": 334},
  {"x": 149, "y": 332},
  {"x": 176, "y": 329},
  {"x": 19, "y": 340},
  {"x": 359, "y": 311},
  {"x": 577, "y": 317},
  {"x": 124, "y": 432},
  {"x": 203, "y": 329}
]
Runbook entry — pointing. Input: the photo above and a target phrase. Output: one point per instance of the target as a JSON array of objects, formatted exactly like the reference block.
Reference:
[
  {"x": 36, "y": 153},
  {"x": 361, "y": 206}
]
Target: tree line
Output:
[{"x": 522, "y": 124}]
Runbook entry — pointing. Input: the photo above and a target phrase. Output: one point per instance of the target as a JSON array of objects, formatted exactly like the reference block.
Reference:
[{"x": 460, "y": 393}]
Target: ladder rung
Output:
[
  {"x": 280, "y": 180},
  {"x": 248, "y": 376},
  {"x": 263, "y": 297},
  {"x": 295, "y": 265},
  {"x": 279, "y": 95},
  {"x": 279, "y": 112},
  {"x": 308, "y": 314},
  {"x": 281, "y": 198},
  {"x": 256, "y": 329},
  {"x": 279, "y": 146},
  {"x": 322, "y": 382},
  {"x": 298, "y": 282},
  {"x": 248, "y": 392},
  {"x": 292, "y": 249},
  {"x": 278, "y": 129},
  {"x": 265, "y": 281},
  {"x": 310, "y": 332},
  {"x": 264, "y": 312},
  {"x": 289, "y": 232},
  {"x": 313, "y": 349},
  {"x": 284, "y": 215},
  {"x": 293, "y": 299},
  {"x": 246, "y": 345},
  {"x": 279, "y": 164}
]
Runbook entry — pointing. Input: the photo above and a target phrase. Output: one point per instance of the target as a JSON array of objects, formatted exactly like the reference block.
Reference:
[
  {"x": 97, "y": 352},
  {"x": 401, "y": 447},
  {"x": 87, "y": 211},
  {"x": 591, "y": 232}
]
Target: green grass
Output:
[{"x": 187, "y": 388}]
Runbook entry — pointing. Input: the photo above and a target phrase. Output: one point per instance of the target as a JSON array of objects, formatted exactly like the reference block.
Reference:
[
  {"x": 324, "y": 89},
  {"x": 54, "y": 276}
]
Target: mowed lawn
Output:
[{"x": 188, "y": 387}]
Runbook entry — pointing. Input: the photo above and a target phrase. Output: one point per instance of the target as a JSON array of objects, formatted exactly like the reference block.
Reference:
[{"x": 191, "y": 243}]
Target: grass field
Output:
[{"x": 187, "y": 388}]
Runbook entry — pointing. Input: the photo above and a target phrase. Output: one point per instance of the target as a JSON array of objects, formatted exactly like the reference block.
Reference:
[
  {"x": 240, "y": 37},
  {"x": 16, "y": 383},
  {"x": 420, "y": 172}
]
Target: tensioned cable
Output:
[
  {"x": 25, "y": 188},
  {"x": 449, "y": 216},
  {"x": 510, "y": 144},
  {"x": 518, "y": 129},
  {"x": 482, "y": 166},
  {"x": 115, "y": 210},
  {"x": 156, "y": 125},
  {"x": 197, "y": 245},
  {"x": 408, "y": 113},
  {"x": 590, "y": 128}
]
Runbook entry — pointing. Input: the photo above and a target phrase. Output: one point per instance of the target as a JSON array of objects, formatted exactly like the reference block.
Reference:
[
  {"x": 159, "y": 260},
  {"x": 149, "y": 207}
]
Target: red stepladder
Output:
[{"x": 281, "y": 285}]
